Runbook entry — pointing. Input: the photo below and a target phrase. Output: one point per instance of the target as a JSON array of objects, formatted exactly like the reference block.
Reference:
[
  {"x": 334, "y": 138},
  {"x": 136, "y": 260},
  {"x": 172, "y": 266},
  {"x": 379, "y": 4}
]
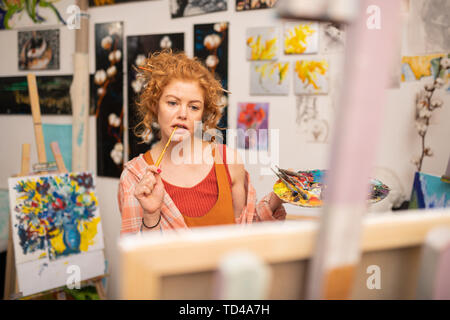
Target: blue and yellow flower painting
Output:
[{"x": 54, "y": 216}]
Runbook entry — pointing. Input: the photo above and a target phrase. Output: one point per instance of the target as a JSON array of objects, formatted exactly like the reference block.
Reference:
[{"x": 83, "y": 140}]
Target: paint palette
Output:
[{"x": 311, "y": 184}]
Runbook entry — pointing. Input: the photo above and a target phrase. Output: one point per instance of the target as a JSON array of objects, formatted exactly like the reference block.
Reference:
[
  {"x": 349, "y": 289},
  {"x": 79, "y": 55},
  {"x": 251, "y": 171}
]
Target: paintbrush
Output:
[
  {"x": 292, "y": 173},
  {"x": 294, "y": 193},
  {"x": 164, "y": 150},
  {"x": 303, "y": 194},
  {"x": 144, "y": 68}
]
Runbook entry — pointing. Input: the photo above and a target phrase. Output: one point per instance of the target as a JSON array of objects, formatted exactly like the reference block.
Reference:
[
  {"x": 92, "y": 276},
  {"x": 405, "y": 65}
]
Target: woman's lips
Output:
[{"x": 181, "y": 130}]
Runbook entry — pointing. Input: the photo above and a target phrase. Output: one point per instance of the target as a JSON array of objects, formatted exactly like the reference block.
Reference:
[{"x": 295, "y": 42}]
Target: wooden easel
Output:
[{"x": 11, "y": 290}]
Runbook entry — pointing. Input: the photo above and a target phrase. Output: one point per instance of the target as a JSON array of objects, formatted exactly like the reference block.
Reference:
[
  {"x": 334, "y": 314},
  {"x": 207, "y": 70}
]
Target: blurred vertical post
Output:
[
  {"x": 370, "y": 46},
  {"x": 80, "y": 91}
]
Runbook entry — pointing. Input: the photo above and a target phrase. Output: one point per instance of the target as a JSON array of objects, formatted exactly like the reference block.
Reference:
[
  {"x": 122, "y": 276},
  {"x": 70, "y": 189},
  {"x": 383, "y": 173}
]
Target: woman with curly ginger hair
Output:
[{"x": 181, "y": 92}]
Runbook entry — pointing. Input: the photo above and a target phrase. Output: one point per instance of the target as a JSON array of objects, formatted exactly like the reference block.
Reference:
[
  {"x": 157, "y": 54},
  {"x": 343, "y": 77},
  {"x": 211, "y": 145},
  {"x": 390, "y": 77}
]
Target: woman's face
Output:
[{"x": 181, "y": 103}]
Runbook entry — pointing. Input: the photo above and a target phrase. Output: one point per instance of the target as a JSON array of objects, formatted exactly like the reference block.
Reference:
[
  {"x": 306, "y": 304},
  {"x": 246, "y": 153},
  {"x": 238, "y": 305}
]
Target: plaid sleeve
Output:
[
  {"x": 129, "y": 206},
  {"x": 253, "y": 212}
]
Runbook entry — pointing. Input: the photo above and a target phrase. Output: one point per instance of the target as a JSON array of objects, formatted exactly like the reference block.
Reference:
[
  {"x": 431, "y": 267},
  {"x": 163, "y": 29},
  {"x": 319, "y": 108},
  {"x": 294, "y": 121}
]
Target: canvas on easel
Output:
[
  {"x": 56, "y": 224},
  {"x": 55, "y": 234}
]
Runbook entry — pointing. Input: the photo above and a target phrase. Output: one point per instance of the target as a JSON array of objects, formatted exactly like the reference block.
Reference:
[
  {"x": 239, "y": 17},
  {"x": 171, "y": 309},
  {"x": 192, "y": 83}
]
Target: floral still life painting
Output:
[
  {"x": 269, "y": 78},
  {"x": 252, "y": 124},
  {"x": 311, "y": 77},
  {"x": 301, "y": 38},
  {"x": 262, "y": 43},
  {"x": 55, "y": 223},
  {"x": 54, "y": 216}
]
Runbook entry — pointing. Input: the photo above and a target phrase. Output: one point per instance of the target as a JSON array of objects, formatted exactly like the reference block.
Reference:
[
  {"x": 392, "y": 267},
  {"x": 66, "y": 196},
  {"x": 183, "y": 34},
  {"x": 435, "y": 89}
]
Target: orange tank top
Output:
[{"x": 221, "y": 212}]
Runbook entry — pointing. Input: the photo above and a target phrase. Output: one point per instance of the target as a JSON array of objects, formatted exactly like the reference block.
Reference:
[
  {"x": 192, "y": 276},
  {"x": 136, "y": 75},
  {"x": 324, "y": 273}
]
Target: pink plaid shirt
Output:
[{"x": 171, "y": 218}]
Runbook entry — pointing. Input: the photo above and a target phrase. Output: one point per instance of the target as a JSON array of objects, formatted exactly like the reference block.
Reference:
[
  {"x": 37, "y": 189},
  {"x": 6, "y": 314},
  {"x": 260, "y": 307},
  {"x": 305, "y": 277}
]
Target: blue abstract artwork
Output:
[{"x": 429, "y": 192}]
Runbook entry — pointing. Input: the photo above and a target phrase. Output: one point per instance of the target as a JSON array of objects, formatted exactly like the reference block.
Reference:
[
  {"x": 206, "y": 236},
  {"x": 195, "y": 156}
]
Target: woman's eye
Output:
[
  {"x": 195, "y": 107},
  {"x": 172, "y": 103}
]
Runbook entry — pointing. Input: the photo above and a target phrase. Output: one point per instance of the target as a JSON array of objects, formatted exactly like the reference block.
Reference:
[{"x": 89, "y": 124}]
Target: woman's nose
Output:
[{"x": 182, "y": 112}]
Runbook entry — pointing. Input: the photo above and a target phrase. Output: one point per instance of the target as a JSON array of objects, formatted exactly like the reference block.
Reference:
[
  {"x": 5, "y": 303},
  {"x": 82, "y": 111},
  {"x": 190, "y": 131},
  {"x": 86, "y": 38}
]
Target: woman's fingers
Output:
[
  {"x": 140, "y": 191},
  {"x": 158, "y": 186},
  {"x": 153, "y": 169},
  {"x": 148, "y": 182},
  {"x": 150, "y": 175}
]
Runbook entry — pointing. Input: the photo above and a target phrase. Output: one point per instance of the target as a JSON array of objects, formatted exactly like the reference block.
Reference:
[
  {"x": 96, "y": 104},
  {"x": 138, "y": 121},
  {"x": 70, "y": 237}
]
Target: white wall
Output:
[{"x": 398, "y": 142}]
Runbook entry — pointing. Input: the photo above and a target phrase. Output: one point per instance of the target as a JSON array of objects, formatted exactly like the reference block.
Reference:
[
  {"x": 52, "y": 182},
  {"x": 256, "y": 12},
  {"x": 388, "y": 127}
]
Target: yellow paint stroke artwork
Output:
[
  {"x": 420, "y": 65},
  {"x": 267, "y": 71},
  {"x": 260, "y": 51},
  {"x": 296, "y": 40},
  {"x": 309, "y": 70}
]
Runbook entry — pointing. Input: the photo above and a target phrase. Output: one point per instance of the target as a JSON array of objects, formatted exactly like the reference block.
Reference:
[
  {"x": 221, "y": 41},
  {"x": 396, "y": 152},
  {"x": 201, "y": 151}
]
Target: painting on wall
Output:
[
  {"x": 20, "y": 14},
  {"x": 252, "y": 125},
  {"x": 262, "y": 43},
  {"x": 301, "y": 38},
  {"x": 53, "y": 218},
  {"x": 429, "y": 192},
  {"x": 313, "y": 118},
  {"x": 138, "y": 49},
  {"x": 39, "y": 50},
  {"x": 244, "y": 5},
  {"x": 415, "y": 68},
  {"x": 211, "y": 47},
  {"x": 311, "y": 77},
  {"x": 54, "y": 97},
  {"x": 332, "y": 37},
  {"x": 428, "y": 27},
  {"x": 108, "y": 80},
  {"x": 187, "y": 8},
  {"x": 99, "y": 3},
  {"x": 269, "y": 78}
]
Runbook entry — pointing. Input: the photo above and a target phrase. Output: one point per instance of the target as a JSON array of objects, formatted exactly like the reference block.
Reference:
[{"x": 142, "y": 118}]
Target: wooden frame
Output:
[{"x": 156, "y": 267}]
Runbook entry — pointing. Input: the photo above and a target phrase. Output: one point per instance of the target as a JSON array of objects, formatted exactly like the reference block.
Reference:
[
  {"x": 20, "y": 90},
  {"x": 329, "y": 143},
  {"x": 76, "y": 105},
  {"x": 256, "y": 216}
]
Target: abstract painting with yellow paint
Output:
[
  {"x": 301, "y": 38},
  {"x": 311, "y": 77},
  {"x": 54, "y": 216},
  {"x": 415, "y": 68},
  {"x": 262, "y": 43},
  {"x": 269, "y": 78}
]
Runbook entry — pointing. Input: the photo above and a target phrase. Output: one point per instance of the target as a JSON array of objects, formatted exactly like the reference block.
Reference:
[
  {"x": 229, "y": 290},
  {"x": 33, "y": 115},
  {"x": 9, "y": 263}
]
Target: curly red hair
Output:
[{"x": 162, "y": 67}]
